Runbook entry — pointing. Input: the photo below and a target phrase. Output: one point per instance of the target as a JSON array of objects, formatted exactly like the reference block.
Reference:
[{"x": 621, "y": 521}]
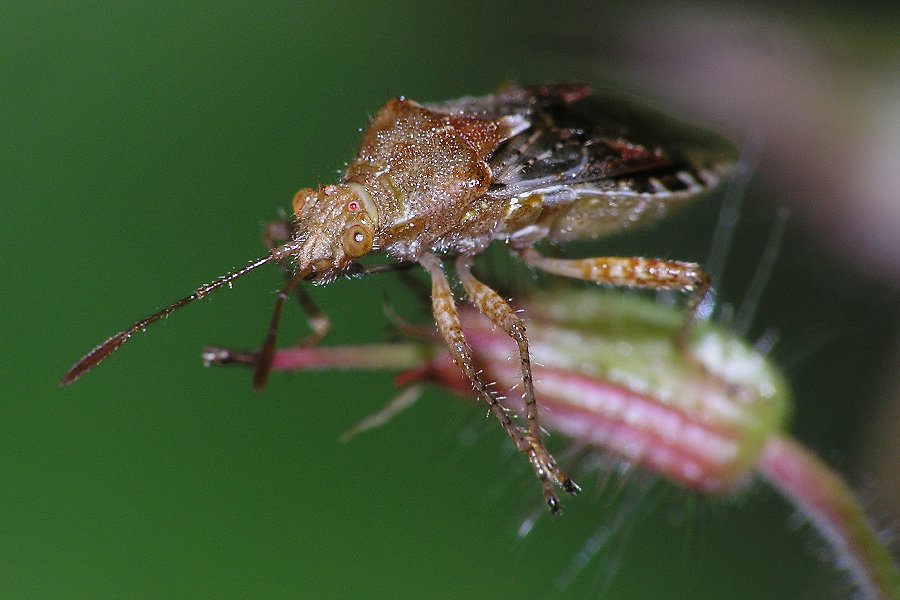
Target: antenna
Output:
[{"x": 101, "y": 352}]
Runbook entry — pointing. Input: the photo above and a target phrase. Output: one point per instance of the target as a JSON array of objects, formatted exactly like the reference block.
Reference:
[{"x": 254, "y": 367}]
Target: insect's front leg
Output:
[
  {"x": 490, "y": 304},
  {"x": 275, "y": 233},
  {"x": 318, "y": 321},
  {"x": 633, "y": 272},
  {"x": 447, "y": 319},
  {"x": 320, "y": 324}
]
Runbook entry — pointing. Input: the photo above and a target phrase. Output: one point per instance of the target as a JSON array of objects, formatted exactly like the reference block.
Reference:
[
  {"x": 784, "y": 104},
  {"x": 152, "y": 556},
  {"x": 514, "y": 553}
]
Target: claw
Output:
[
  {"x": 549, "y": 474},
  {"x": 555, "y": 507},
  {"x": 570, "y": 486}
]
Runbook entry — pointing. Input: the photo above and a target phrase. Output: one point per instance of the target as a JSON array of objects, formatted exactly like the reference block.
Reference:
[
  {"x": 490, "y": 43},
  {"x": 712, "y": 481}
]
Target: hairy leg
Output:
[
  {"x": 490, "y": 304},
  {"x": 279, "y": 231},
  {"x": 447, "y": 319},
  {"x": 648, "y": 273}
]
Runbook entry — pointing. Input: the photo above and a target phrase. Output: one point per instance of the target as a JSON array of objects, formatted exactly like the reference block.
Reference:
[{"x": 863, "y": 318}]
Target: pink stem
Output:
[
  {"x": 372, "y": 357},
  {"x": 826, "y": 500}
]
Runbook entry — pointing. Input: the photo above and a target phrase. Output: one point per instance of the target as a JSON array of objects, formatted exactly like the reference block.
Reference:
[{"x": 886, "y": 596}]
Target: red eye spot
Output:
[{"x": 353, "y": 206}]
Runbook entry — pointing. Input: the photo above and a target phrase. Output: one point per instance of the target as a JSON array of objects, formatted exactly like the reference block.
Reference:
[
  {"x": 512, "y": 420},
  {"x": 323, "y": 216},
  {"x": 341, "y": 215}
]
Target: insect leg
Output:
[
  {"x": 318, "y": 321},
  {"x": 649, "y": 273},
  {"x": 501, "y": 314},
  {"x": 406, "y": 328},
  {"x": 447, "y": 319},
  {"x": 263, "y": 363},
  {"x": 401, "y": 402}
]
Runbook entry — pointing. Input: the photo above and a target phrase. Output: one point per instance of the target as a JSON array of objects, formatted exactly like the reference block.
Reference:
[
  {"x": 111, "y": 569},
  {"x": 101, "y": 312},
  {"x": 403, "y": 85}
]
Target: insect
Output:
[{"x": 438, "y": 181}]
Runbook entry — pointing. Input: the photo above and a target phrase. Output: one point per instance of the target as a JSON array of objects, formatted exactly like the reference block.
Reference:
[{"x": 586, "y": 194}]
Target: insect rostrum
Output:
[{"x": 436, "y": 181}]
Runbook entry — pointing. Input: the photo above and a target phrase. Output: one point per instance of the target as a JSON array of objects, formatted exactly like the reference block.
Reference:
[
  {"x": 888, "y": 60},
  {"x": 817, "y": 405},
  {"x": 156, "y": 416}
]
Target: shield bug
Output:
[{"x": 437, "y": 181}]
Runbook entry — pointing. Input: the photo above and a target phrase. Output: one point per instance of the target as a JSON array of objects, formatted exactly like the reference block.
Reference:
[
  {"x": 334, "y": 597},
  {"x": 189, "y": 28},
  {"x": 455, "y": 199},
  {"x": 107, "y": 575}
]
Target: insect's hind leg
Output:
[
  {"x": 448, "y": 323},
  {"x": 634, "y": 272}
]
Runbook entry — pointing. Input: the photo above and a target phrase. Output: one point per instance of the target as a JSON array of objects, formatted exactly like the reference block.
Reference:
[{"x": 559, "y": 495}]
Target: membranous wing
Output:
[{"x": 600, "y": 163}]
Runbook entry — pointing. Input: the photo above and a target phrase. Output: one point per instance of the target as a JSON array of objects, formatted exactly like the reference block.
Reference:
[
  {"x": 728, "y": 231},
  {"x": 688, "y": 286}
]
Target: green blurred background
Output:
[{"x": 143, "y": 147}]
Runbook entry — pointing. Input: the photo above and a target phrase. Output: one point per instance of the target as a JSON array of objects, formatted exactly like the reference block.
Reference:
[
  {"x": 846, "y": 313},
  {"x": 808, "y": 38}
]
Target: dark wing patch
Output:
[
  {"x": 600, "y": 162},
  {"x": 607, "y": 141}
]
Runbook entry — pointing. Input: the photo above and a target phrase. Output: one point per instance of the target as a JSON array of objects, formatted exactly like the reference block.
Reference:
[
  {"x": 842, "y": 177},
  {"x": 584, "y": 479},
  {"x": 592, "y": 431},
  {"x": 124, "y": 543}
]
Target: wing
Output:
[{"x": 601, "y": 163}]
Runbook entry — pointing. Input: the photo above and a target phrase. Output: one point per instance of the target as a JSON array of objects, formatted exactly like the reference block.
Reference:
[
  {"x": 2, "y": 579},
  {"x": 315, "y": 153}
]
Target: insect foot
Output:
[{"x": 549, "y": 474}]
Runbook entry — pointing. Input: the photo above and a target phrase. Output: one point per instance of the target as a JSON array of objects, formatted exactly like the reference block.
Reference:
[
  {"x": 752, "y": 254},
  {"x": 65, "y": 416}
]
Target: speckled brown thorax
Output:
[
  {"x": 424, "y": 170},
  {"x": 552, "y": 162}
]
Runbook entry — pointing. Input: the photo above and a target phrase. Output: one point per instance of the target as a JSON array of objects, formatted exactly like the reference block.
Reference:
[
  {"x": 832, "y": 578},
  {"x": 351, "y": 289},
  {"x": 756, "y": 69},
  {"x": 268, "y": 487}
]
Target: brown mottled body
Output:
[{"x": 550, "y": 162}]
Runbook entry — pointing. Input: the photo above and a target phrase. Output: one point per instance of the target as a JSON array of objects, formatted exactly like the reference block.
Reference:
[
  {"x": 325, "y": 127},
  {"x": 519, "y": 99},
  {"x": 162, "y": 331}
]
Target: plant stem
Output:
[{"x": 826, "y": 500}]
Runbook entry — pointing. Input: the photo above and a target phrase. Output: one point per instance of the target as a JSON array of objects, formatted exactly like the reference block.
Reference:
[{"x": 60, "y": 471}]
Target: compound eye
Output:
[
  {"x": 357, "y": 240},
  {"x": 301, "y": 199}
]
